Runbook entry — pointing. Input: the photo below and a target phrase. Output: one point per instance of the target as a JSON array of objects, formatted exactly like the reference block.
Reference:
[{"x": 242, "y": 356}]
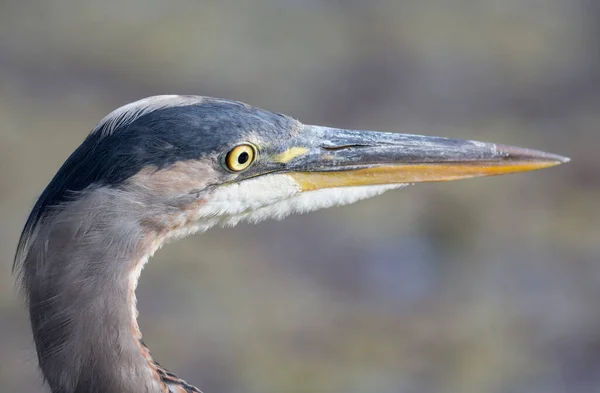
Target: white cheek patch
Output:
[
  {"x": 275, "y": 197},
  {"x": 309, "y": 201},
  {"x": 239, "y": 198}
]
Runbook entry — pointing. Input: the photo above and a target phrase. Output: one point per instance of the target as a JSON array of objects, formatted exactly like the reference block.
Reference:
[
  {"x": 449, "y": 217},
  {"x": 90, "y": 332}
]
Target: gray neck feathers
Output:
[{"x": 80, "y": 281}]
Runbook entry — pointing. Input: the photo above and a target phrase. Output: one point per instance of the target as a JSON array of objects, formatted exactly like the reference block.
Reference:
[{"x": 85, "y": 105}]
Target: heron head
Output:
[{"x": 205, "y": 162}]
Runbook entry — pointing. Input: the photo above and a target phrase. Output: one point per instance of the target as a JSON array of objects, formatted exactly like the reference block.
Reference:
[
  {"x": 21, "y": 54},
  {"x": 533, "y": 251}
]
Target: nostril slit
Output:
[{"x": 342, "y": 147}]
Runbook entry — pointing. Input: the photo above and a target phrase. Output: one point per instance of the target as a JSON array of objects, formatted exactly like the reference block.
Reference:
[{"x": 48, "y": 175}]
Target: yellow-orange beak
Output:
[{"x": 322, "y": 157}]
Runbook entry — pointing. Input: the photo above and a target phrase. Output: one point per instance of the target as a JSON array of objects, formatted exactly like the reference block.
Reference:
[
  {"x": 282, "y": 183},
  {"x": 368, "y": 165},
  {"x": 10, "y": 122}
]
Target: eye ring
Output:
[{"x": 240, "y": 157}]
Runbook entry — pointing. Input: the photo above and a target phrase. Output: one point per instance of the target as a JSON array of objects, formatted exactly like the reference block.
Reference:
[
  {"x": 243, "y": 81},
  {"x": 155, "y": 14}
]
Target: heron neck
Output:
[{"x": 82, "y": 302}]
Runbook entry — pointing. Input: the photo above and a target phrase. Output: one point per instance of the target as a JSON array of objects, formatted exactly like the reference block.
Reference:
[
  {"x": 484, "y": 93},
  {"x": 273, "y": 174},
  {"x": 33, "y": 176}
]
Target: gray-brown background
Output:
[{"x": 488, "y": 285}]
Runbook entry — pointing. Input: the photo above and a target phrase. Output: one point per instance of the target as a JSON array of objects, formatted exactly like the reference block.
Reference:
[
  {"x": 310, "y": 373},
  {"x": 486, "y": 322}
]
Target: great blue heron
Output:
[{"x": 167, "y": 166}]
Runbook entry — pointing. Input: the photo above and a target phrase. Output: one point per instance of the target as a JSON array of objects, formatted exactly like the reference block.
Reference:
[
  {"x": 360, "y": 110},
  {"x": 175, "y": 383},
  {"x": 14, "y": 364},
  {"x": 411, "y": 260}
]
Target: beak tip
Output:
[
  {"x": 533, "y": 155},
  {"x": 558, "y": 160},
  {"x": 554, "y": 159}
]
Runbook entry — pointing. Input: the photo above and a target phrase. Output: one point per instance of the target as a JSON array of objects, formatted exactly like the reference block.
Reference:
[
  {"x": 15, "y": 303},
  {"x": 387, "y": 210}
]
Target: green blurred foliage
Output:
[{"x": 488, "y": 285}]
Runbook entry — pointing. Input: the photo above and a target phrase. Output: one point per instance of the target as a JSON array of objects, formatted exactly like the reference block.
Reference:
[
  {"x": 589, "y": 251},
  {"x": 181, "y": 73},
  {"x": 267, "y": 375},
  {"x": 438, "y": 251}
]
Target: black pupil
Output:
[{"x": 243, "y": 158}]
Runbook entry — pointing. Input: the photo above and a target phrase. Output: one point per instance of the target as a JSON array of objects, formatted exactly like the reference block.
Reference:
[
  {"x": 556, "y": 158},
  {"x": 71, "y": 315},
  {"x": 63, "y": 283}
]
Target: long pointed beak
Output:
[{"x": 322, "y": 157}]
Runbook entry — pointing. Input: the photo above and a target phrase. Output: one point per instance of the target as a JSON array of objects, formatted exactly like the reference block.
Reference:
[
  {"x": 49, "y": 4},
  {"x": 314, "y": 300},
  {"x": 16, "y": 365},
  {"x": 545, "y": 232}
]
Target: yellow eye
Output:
[{"x": 240, "y": 157}]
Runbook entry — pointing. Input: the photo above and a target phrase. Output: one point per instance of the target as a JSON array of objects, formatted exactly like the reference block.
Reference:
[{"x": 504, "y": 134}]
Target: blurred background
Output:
[{"x": 487, "y": 285}]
